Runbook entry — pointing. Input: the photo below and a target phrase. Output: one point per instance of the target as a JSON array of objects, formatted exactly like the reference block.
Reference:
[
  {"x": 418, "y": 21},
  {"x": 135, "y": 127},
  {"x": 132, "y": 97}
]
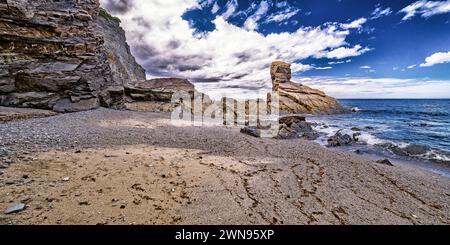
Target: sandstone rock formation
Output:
[
  {"x": 62, "y": 55},
  {"x": 295, "y": 98}
]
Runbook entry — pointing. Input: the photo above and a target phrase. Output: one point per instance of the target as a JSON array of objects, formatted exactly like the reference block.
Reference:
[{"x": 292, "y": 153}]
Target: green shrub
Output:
[{"x": 103, "y": 13}]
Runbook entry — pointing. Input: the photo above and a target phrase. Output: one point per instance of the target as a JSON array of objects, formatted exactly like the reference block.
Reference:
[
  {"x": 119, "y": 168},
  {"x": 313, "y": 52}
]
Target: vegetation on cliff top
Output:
[{"x": 102, "y": 12}]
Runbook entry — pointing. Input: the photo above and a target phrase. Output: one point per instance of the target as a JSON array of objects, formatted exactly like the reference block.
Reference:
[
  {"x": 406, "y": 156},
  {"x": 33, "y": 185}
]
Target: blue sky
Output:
[{"x": 349, "y": 48}]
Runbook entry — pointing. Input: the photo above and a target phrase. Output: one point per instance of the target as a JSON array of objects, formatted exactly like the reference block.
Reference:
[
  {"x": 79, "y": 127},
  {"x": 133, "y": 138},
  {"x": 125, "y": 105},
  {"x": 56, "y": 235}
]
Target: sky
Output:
[{"x": 347, "y": 48}]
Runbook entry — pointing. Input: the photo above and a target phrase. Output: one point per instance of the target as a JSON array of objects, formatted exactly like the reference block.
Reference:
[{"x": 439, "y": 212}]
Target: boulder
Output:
[
  {"x": 385, "y": 162},
  {"x": 296, "y": 130},
  {"x": 410, "y": 150},
  {"x": 291, "y": 119},
  {"x": 296, "y": 98},
  {"x": 416, "y": 149},
  {"x": 339, "y": 139},
  {"x": 113, "y": 97},
  {"x": 252, "y": 131},
  {"x": 66, "y": 105},
  {"x": 41, "y": 100},
  {"x": 160, "y": 89},
  {"x": 355, "y": 136}
]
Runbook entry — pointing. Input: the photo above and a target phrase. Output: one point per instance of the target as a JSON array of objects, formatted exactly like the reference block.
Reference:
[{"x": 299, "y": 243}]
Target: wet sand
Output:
[{"x": 137, "y": 168}]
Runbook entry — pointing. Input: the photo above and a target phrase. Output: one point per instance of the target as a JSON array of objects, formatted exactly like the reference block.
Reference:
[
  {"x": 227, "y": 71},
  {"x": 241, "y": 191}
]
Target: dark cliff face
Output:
[
  {"x": 62, "y": 55},
  {"x": 121, "y": 62}
]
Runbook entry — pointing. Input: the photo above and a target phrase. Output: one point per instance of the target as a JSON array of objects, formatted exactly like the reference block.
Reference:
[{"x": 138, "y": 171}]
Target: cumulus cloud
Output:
[
  {"x": 251, "y": 23},
  {"x": 166, "y": 45},
  {"x": 436, "y": 58},
  {"x": 297, "y": 67},
  {"x": 344, "y": 52},
  {"x": 380, "y": 12},
  {"x": 425, "y": 9}
]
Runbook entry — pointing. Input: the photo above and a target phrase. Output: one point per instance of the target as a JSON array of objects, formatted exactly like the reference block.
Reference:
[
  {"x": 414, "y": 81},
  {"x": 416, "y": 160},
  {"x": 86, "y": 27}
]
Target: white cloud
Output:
[
  {"x": 215, "y": 8},
  {"x": 356, "y": 24},
  {"x": 251, "y": 23},
  {"x": 380, "y": 12},
  {"x": 361, "y": 87},
  {"x": 411, "y": 66},
  {"x": 203, "y": 3},
  {"x": 297, "y": 67},
  {"x": 281, "y": 4},
  {"x": 282, "y": 15},
  {"x": 436, "y": 58},
  {"x": 324, "y": 68},
  {"x": 339, "y": 62},
  {"x": 365, "y": 67},
  {"x": 166, "y": 45},
  {"x": 230, "y": 9},
  {"x": 344, "y": 52},
  {"x": 425, "y": 9}
]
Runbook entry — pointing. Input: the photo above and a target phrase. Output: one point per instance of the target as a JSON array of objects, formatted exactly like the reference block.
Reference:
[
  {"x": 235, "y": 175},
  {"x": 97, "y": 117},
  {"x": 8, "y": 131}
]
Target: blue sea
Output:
[{"x": 389, "y": 126}]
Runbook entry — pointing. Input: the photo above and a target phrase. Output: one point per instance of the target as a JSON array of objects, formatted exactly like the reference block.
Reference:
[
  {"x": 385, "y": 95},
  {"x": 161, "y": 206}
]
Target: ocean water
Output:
[{"x": 389, "y": 126}]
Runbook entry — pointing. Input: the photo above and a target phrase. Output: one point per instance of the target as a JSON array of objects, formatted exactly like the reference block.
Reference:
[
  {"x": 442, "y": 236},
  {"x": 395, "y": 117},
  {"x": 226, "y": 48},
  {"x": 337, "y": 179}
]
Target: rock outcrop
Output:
[
  {"x": 295, "y": 98},
  {"x": 340, "y": 139},
  {"x": 290, "y": 127},
  {"x": 157, "y": 94},
  {"x": 62, "y": 55}
]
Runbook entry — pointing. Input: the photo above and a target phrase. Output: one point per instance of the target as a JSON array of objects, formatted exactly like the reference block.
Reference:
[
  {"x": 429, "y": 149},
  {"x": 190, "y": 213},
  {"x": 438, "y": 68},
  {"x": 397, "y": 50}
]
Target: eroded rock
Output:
[
  {"x": 62, "y": 55},
  {"x": 297, "y": 98},
  {"x": 339, "y": 139}
]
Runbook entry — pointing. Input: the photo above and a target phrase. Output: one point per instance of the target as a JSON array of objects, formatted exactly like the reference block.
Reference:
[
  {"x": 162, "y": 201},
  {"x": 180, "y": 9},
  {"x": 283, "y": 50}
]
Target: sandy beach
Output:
[{"x": 121, "y": 167}]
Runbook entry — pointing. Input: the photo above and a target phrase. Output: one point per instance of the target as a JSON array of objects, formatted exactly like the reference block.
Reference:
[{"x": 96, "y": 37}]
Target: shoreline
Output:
[{"x": 124, "y": 167}]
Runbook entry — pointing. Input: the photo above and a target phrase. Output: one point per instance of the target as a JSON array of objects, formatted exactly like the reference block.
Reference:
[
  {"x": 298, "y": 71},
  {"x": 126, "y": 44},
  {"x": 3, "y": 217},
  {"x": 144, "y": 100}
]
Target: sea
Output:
[{"x": 406, "y": 131}]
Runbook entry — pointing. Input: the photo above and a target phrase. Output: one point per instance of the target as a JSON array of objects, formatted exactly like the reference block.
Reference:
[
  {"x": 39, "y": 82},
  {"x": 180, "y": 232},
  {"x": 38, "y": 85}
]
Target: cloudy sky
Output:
[{"x": 348, "y": 48}]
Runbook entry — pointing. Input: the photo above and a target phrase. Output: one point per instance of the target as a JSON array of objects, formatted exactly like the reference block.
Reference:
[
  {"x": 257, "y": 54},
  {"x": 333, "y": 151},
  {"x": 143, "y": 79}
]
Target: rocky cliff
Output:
[
  {"x": 296, "y": 98},
  {"x": 62, "y": 55}
]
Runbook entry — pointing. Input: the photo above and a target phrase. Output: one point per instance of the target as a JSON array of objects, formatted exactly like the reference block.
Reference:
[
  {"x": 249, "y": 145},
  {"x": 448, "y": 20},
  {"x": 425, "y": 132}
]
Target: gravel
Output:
[{"x": 68, "y": 131}]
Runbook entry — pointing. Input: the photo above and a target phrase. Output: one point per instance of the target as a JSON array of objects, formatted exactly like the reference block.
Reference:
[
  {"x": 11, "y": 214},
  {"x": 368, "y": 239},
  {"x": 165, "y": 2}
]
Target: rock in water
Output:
[
  {"x": 15, "y": 208},
  {"x": 417, "y": 149},
  {"x": 340, "y": 139},
  {"x": 62, "y": 55},
  {"x": 296, "y": 98}
]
